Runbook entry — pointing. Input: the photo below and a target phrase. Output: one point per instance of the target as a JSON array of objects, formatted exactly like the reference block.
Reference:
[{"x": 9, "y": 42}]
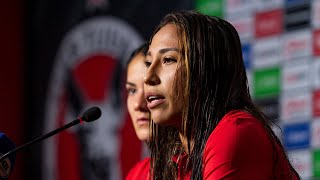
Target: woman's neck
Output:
[{"x": 184, "y": 141}]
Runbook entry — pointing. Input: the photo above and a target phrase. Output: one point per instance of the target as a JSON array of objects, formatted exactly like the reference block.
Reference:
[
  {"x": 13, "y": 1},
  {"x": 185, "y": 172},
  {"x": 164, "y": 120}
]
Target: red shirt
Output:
[
  {"x": 140, "y": 171},
  {"x": 239, "y": 149}
]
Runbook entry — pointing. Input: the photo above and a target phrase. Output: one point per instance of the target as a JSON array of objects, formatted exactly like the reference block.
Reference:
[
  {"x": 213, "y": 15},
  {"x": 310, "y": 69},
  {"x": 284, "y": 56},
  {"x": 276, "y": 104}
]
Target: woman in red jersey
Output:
[
  {"x": 204, "y": 123},
  {"x": 137, "y": 107}
]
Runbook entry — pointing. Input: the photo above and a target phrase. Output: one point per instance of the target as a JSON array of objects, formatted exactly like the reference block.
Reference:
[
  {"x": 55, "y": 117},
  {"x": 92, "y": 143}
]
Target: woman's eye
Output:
[
  {"x": 168, "y": 60},
  {"x": 147, "y": 63},
  {"x": 131, "y": 91}
]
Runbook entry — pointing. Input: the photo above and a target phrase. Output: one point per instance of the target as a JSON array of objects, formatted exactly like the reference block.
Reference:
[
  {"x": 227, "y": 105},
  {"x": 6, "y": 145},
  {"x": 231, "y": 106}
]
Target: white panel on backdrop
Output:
[
  {"x": 244, "y": 27},
  {"x": 296, "y": 105},
  {"x": 315, "y": 133},
  {"x": 315, "y": 17},
  {"x": 301, "y": 161},
  {"x": 297, "y": 44},
  {"x": 277, "y": 129},
  {"x": 269, "y": 4},
  {"x": 296, "y": 75},
  {"x": 250, "y": 84},
  {"x": 267, "y": 52},
  {"x": 234, "y": 8}
]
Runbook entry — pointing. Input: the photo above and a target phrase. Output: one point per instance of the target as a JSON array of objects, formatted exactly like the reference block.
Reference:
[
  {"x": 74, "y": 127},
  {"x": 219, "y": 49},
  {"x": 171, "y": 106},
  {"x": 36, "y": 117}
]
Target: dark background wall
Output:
[{"x": 12, "y": 73}]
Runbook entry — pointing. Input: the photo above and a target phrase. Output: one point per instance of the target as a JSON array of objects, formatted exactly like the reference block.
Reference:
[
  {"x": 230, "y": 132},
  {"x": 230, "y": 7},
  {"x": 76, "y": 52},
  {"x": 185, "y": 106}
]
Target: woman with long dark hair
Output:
[
  {"x": 204, "y": 122},
  {"x": 137, "y": 107}
]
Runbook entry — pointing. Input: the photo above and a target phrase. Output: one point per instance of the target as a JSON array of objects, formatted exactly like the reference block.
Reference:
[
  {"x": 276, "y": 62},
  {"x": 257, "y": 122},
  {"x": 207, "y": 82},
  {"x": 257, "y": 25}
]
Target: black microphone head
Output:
[
  {"x": 91, "y": 114},
  {"x": 7, "y": 164}
]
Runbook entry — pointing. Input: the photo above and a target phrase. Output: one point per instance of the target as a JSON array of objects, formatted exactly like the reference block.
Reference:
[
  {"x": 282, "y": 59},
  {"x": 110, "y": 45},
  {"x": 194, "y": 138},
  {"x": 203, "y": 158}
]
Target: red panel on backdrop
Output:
[
  {"x": 92, "y": 75},
  {"x": 268, "y": 23},
  {"x": 316, "y": 103},
  {"x": 316, "y": 42}
]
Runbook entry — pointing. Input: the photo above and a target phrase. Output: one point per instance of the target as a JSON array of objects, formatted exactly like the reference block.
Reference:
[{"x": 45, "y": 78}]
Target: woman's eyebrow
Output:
[
  {"x": 130, "y": 83},
  {"x": 164, "y": 50},
  {"x": 161, "y": 51}
]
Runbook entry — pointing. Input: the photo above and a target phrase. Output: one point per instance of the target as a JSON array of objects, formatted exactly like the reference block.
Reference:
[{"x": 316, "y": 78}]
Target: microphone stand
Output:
[
  {"x": 77, "y": 121},
  {"x": 89, "y": 115}
]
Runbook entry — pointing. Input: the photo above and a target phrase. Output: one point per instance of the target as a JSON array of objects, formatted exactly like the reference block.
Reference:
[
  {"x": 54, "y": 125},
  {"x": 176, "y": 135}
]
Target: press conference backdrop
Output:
[
  {"x": 77, "y": 54},
  {"x": 281, "y": 49},
  {"x": 78, "y": 51}
]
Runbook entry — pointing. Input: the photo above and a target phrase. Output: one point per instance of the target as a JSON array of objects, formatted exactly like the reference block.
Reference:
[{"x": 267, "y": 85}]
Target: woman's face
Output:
[
  {"x": 136, "y": 103},
  {"x": 161, "y": 85}
]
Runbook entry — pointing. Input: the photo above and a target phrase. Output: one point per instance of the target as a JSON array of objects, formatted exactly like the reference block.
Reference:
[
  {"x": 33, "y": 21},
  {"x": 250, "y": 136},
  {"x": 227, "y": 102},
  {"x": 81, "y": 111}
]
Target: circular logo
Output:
[{"x": 87, "y": 72}]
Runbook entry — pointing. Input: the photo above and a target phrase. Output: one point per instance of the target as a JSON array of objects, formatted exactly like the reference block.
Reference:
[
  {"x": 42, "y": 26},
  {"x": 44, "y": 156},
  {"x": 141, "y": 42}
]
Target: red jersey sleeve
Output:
[{"x": 238, "y": 149}]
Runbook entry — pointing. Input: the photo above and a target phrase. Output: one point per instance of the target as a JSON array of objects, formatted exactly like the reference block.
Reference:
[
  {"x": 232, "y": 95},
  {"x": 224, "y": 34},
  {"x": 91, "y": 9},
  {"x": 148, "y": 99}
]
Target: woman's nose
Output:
[
  {"x": 151, "y": 78},
  {"x": 141, "y": 103}
]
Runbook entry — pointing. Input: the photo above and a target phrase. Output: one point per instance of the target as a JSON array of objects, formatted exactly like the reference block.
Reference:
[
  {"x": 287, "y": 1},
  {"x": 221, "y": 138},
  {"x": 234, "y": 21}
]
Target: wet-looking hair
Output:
[
  {"x": 215, "y": 83},
  {"x": 143, "y": 48}
]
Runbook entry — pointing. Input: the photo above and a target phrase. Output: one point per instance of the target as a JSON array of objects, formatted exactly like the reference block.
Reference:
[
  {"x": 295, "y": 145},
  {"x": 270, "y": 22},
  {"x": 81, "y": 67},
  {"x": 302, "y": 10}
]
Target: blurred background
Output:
[{"x": 61, "y": 57}]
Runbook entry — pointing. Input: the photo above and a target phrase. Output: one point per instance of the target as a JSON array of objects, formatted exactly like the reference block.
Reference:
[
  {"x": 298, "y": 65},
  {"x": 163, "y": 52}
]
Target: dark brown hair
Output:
[{"x": 216, "y": 83}]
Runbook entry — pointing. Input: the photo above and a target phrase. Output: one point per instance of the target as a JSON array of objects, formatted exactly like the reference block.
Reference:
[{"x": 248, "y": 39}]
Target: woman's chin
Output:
[
  {"x": 160, "y": 120},
  {"x": 143, "y": 136},
  {"x": 165, "y": 123}
]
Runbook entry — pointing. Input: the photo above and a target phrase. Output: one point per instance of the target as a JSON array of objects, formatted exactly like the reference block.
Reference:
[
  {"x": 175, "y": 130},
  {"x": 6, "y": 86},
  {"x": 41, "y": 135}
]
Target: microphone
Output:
[
  {"x": 6, "y": 165},
  {"x": 89, "y": 115}
]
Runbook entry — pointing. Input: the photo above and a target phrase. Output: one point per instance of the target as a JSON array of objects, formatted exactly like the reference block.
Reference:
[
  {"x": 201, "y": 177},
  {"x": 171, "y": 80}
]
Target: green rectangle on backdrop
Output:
[
  {"x": 316, "y": 163},
  {"x": 210, "y": 7},
  {"x": 266, "y": 82}
]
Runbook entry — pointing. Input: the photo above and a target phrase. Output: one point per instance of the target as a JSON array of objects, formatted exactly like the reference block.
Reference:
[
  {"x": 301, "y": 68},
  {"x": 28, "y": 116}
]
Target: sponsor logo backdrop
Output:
[{"x": 282, "y": 55}]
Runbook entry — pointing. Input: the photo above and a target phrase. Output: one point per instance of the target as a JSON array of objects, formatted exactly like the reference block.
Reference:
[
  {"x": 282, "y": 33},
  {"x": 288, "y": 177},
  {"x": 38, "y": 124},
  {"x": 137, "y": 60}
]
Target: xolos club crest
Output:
[{"x": 88, "y": 71}]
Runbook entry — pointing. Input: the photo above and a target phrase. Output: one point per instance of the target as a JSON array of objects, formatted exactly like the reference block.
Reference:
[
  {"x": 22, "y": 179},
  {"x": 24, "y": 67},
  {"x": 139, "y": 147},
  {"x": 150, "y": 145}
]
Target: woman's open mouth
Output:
[{"x": 154, "y": 100}]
